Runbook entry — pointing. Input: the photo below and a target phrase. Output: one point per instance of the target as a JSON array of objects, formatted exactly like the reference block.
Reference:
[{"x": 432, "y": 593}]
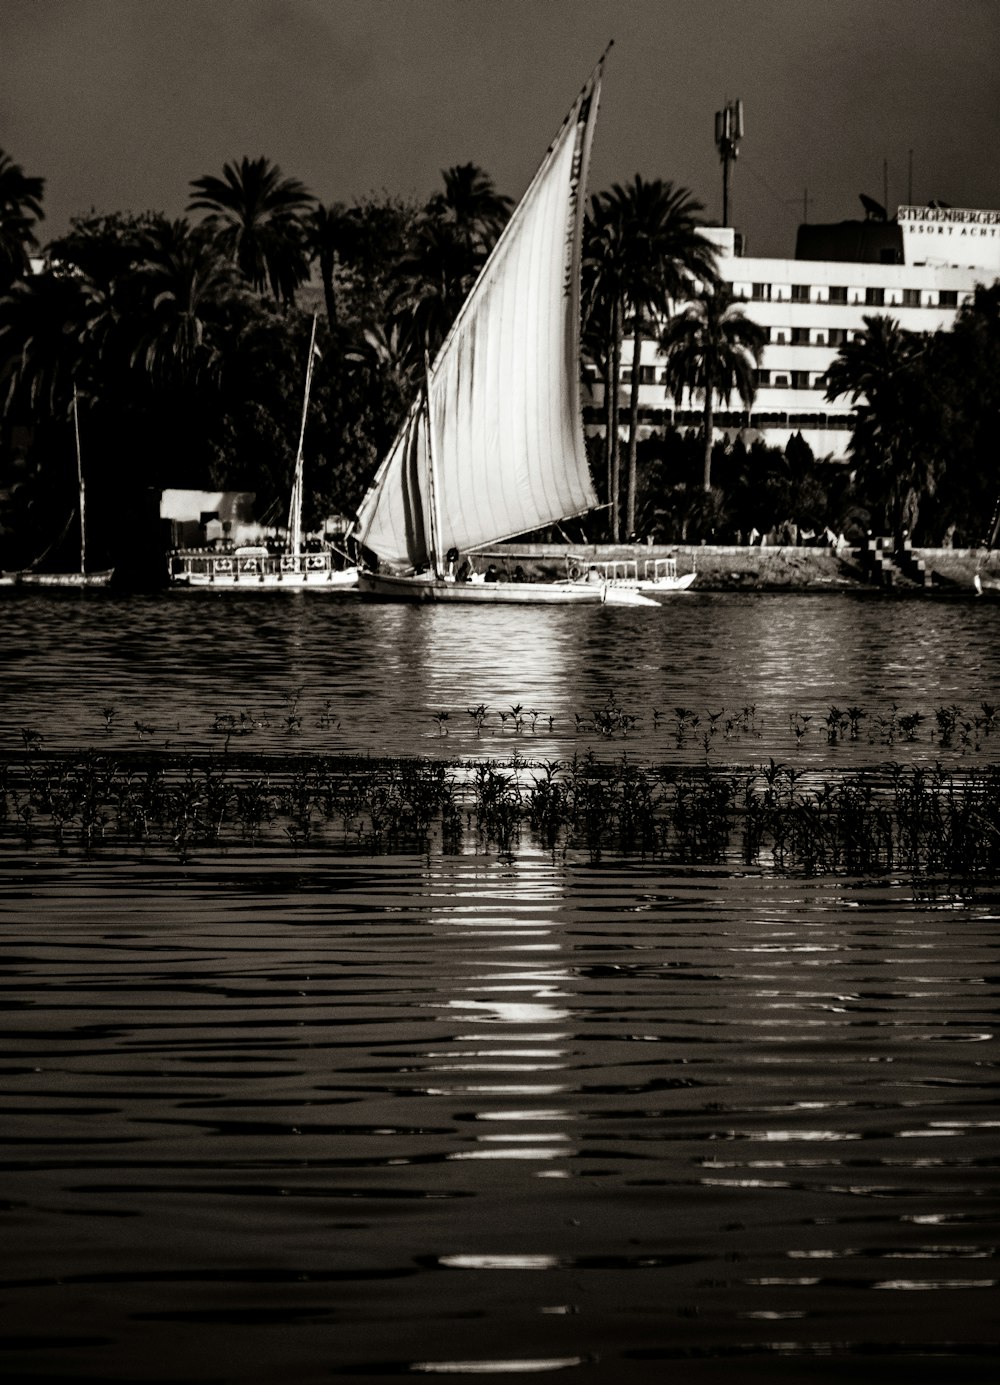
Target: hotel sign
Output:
[{"x": 951, "y": 235}]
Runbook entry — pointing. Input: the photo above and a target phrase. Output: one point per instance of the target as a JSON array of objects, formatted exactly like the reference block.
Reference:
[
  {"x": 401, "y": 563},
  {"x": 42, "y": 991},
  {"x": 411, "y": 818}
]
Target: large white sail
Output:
[{"x": 503, "y": 394}]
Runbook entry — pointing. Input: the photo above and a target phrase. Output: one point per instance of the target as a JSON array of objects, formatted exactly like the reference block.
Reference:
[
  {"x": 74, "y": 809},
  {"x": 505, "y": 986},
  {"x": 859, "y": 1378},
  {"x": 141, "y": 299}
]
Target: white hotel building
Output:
[{"x": 919, "y": 269}]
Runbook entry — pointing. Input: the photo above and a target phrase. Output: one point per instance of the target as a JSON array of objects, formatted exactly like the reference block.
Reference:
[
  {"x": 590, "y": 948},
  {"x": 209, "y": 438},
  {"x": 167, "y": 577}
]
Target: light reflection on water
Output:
[
  {"x": 370, "y": 678},
  {"x": 282, "y": 1118}
]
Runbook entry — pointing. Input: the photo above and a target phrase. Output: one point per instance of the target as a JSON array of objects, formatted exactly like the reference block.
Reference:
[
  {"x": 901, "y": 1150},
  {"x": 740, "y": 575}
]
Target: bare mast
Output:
[
  {"x": 295, "y": 508},
  {"x": 83, "y": 488},
  {"x": 432, "y": 478}
]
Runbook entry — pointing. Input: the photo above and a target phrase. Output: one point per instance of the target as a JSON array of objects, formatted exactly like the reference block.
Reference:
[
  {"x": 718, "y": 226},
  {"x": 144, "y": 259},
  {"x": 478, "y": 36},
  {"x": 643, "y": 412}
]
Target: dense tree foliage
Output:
[
  {"x": 760, "y": 492},
  {"x": 185, "y": 343},
  {"x": 927, "y": 421}
]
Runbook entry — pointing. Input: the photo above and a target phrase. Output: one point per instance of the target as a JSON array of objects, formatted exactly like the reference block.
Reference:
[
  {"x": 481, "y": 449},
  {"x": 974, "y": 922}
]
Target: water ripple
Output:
[{"x": 380, "y": 1139}]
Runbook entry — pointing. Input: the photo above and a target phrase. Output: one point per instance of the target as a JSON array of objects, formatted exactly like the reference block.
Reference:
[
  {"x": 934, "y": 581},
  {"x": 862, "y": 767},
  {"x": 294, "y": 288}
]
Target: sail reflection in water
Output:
[
  {"x": 303, "y": 1118},
  {"x": 516, "y": 1024}
]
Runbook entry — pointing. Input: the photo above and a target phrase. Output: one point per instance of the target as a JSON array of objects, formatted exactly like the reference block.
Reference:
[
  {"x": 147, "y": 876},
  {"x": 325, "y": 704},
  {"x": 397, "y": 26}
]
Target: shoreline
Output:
[{"x": 780, "y": 568}]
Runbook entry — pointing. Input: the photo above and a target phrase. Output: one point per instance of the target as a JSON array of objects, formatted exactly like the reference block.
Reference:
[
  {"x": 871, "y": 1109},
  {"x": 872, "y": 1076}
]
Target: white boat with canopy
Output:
[
  {"x": 494, "y": 446},
  {"x": 657, "y": 576}
]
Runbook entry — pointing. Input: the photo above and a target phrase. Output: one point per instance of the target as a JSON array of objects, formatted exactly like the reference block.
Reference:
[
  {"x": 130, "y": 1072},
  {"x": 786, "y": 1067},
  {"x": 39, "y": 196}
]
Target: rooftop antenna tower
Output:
[{"x": 728, "y": 133}]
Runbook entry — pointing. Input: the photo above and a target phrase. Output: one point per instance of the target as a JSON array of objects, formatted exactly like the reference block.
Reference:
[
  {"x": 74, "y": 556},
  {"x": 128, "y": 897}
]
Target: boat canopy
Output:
[{"x": 500, "y": 421}]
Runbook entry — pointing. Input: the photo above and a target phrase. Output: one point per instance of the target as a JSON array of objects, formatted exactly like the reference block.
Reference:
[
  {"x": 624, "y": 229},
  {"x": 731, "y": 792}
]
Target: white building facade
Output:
[{"x": 811, "y": 307}]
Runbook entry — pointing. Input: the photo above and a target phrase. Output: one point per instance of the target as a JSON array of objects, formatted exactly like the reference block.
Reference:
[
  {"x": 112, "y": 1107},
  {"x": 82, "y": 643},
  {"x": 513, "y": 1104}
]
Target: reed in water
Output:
[{"x": 919, "y": 819}]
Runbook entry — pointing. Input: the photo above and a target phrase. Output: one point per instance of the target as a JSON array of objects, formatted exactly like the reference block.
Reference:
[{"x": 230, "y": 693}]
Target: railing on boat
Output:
[
  {"x": 249, "y": 565},
  {"x": 624, "y": 571},
  {"x": 660, "y": 569}
]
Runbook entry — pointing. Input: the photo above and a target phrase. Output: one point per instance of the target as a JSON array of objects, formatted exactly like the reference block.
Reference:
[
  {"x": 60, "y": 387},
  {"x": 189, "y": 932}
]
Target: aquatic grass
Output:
[
  {"x": 703, "y": 810},
  {"x": 478, "y": 714},
  {"x": 918, "y": 819},
  {"x": 710, "y": 732}
]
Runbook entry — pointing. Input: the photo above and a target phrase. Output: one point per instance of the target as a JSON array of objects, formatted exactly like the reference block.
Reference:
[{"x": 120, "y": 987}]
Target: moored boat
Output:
[
  {"x": 39, "y": 577},
  {"x": 655, "y": 576},
  {"x": 68, "y": 580},
  {"x": 254, "y": 566},
  {"x": 298, "y": 566}
]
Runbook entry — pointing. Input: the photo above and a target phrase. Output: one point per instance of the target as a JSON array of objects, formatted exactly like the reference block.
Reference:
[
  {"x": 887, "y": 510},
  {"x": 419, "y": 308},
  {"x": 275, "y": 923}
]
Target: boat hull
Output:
[
  {"x": 343, "y": 581},
  {"x": 665, "y": 586},
  {"x": 68, "y": 580},
  {"x": 424, "y": 587}
]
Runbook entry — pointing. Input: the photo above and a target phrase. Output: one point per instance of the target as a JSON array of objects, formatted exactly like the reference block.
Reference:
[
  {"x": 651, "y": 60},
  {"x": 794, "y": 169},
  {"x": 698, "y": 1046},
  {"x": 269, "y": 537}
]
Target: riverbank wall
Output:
[{"x": 746, "y": 568}]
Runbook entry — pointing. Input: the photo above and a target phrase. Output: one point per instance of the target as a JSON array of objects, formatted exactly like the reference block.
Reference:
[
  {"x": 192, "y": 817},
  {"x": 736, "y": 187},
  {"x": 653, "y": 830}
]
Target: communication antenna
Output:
[{"x": 728, "y": 133}]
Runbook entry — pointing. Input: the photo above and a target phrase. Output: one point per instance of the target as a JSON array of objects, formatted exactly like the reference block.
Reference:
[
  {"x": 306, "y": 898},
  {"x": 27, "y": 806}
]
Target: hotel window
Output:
[
  {"x": 800, "y": 293},
  {"x": 800, "y": 336},
  {"x": 948, "y": 298},
  {"x": 838, "y": 295},
  {"x": 875, "y": 298},
  {"x": 911, "y": 298},
  {"x": 762, "y": 293},
  {"x": 836, "y": 336},
  {"x": 800, "y": 379},
  {"x": 647, "y": 375},
  {"x": 762, "y": 377}
]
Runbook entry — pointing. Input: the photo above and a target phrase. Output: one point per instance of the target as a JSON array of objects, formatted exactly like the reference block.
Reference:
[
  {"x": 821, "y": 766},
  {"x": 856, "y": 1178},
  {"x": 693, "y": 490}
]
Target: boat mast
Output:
[
  {"x": 83, "y": 489},
  {"x": 295, "y": 508},
  {"x": 433, "y": 497}
]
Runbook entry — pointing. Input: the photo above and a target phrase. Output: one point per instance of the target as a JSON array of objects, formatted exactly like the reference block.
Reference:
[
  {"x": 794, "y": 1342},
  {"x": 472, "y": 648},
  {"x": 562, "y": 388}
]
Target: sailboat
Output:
[
  {"x": 253, "y": 566},
  {"x": 493, "y": 447},
  {"x": 35, "y": 577}
]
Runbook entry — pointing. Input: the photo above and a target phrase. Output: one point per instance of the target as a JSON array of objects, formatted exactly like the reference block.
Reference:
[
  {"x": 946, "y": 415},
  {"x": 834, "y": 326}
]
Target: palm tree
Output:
[
  {"x": 40, "y": 320},
  {"x": 970, "y": 379},
  {"x": 602, "y": 312},
  {"x": 450, "y": 244},
  {"x": 883, "y": 371},
  {"x": 662, "y": 255},
  {"x": 256, "y": 215},
  {"x": 332, "y": 235},
  {"x": 433, "y": 283},
  {"x": 471, "y": 204},
  {"x": 712, "y": 349},
  {"x": 102, "y": 255},
  {"x": 380, "y": 370},
  {"x": 186, "y": 286},
  {"x": 20, "y": 208}
]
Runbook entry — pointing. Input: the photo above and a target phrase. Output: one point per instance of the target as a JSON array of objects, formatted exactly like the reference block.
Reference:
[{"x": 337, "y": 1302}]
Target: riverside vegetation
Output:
[{"x": 939, "y": 818}]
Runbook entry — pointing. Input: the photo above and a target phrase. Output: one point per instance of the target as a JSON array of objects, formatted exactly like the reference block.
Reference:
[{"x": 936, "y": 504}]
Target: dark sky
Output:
[{"x": 118, "y": 104}]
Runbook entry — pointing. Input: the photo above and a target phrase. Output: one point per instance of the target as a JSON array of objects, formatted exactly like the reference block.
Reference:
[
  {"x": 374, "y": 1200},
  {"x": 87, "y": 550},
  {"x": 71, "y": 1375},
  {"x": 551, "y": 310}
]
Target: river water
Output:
[
  {"x": 308, "y": 672},
  {"x": 273, "y": 1116}
]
